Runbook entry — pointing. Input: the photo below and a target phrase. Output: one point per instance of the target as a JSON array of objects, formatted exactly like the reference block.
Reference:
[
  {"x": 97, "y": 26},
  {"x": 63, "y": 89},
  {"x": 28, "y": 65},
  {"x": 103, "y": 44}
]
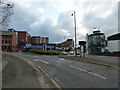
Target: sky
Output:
[{"x": 52, "y": 18}]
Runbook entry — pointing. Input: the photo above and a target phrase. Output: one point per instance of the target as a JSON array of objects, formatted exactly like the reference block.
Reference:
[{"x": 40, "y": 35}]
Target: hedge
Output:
[{"x": 42, "y": 52}]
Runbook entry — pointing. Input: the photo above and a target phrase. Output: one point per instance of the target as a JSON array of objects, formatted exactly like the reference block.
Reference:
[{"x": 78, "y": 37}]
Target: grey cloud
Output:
[
  {"x": 107, "y": 24},
  {"x": 22, "y": 18}
]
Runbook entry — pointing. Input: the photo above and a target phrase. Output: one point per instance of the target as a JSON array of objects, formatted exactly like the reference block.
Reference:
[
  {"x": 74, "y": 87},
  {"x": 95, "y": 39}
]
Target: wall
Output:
[{"x": 113, "y": 45}]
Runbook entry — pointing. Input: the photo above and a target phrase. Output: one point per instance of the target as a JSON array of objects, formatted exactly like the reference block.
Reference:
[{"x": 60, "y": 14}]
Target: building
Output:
[
  {"x": 46, "y": 47},
  {"x": 66, "y": 45},
  {"x": 9, "y": 41},
  {"x": 24, "y": 37},
  {"x": 44, "y": 40},
  {"x": 96, "y": 43},
  {"x": 35, "y": 40},
  {"x": 39, "y": 40},
  {"x": 114, "y": 42}
]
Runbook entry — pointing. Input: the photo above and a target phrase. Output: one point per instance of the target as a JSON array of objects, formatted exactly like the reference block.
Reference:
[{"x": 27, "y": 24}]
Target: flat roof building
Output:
[
  {"x": 114, "y": 42},
  {"x": 24, "y": 37},
  {"x": 9, "y": 41}
]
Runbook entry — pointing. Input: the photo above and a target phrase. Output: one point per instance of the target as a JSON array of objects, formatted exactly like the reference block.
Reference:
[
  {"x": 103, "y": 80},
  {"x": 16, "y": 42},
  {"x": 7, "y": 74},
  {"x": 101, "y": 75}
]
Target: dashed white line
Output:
[
  {"x": 88, "y": 72},
  {"x": 41, "y": 61},
  {"x": 61, "y": 59}
]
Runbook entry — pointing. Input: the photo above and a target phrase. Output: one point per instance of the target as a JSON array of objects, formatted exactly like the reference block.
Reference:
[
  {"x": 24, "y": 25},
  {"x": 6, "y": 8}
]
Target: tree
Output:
[{"x": 6, "y": 10}]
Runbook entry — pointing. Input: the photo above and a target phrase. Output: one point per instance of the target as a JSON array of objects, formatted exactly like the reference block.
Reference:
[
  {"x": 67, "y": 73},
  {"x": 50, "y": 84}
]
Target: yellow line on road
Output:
[
  {"x": 55, "y": 83},
  {"x": 41, "y": 69}
]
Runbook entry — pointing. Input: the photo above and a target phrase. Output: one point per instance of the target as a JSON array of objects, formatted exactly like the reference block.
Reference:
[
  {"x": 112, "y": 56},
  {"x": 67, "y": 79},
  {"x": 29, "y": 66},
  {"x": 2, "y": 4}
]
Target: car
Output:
[
  {"x": 64, "y": 53},
  {"x": 71, "y": 52}
]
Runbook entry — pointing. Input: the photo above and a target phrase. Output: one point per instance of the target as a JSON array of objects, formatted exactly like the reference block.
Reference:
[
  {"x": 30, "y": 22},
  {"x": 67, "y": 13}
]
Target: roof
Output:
[
  {"x": 114, "y": 37},
  {"x": 7, "y": 33},
  {"x": 96, "y": 34},
  {"x": 35, "y": 37}
]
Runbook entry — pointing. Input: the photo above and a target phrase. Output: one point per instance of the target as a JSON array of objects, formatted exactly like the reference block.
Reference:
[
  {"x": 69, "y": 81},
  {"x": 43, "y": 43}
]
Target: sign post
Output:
[{"x": 82, "y": 48}]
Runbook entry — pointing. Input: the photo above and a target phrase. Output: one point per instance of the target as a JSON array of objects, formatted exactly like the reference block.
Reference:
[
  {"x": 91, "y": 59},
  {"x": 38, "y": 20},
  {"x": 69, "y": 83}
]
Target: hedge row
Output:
[{"x": 42, "y": 52}]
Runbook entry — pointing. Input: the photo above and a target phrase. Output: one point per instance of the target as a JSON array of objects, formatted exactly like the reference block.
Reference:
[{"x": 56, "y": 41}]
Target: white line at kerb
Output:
[
  {"x": 88, "y": 72},
  {"x": 41, "y": 61}
]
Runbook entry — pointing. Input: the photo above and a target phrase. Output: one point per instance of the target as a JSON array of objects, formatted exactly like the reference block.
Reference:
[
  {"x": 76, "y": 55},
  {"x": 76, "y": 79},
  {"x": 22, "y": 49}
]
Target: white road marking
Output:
[
  {"x": 41, "y": 61},
  {"x": 62, "y": 59},
  {"x": 88, "y": 72},
  {"x": 58, "y": 62},
  {"x": 69, "y": 61},
  {"x": 36, "y": 60}
]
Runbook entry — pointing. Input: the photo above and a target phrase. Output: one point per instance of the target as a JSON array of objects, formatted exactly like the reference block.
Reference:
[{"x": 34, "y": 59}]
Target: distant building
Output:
[
  {"x": 46, "y": 47},
  {"x": 35, "y": 40},
  {"x": 24, "y": 37},
  {"x": 44, "y": 40},
  {"x": 9, "y": 41},
  {"x": 114, "y": 42},
  {"x": 66, "y": 45},
  {"x": 39, "y": 40},
  {"x": 96, "y": 43}
]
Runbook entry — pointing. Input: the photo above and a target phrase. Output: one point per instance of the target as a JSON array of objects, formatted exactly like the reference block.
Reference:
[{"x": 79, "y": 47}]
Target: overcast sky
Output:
[{"x": 52, "y": 18}]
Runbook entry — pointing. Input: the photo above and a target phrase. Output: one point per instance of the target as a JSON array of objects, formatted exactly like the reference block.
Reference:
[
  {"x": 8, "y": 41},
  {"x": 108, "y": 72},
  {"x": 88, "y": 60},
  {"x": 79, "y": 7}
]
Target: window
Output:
[
  {"x": 9, "y": 41},
  {"x": 8, "y": 47},
  {"x": 2, "y": 47},
  {"x": 2, "y": 41},
  {"x": 5, "y": 41},
  {"x": 5, "y": 47}
]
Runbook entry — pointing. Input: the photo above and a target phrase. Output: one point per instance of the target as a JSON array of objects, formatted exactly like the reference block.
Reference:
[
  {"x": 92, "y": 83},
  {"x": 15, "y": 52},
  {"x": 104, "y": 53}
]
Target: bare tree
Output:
[{"x": 6, "y": 10}]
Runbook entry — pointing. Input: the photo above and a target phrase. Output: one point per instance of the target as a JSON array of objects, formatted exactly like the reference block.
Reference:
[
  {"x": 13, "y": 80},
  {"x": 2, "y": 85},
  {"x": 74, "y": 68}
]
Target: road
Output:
[{"x": 75, "y": 74}]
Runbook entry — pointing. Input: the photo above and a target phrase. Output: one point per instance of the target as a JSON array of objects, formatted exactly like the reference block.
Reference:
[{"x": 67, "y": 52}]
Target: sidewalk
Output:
[
  {"x": 93, "y": 61},
  {"x": 17, "y": 73}
]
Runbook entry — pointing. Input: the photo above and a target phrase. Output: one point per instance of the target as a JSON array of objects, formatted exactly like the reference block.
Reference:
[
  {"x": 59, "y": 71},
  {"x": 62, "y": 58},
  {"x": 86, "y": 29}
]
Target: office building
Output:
[{"x": 96, "y": 43}]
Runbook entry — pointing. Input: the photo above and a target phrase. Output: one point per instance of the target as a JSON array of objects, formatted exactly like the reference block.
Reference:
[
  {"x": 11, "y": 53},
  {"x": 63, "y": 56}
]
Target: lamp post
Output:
[{"x": 75, "y": 33}]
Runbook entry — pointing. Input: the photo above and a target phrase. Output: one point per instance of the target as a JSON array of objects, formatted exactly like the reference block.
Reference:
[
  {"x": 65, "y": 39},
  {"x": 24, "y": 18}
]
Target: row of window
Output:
[
  {"x": 6, "y": 47},
  {"x": 6, "y": 36},
  {"x": 6, "y": 41}
]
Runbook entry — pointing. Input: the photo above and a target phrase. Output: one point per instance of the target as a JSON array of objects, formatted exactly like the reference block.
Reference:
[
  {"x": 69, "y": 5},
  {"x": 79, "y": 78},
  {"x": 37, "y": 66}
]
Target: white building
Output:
[{"x": 114, "y": 42}]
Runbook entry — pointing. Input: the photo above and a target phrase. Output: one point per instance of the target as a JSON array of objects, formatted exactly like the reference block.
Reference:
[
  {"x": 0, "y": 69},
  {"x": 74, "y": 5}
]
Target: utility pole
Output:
[{"x": 75, "y": 33}]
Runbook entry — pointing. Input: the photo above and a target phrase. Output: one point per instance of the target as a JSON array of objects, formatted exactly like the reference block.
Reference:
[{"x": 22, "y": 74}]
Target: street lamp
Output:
[{"x": 75, "y": 33}]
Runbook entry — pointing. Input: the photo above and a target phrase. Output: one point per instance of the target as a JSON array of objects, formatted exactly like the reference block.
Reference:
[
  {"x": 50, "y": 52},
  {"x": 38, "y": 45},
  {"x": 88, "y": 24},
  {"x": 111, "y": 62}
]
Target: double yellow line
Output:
[{"x": 55, "y": 83}]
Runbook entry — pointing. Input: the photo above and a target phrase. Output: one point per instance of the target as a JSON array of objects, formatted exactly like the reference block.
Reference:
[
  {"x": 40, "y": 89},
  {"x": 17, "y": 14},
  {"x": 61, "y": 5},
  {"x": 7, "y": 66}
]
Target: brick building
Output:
[
  {"x": 66, "y": 45},
  {"x": 9, "y": 41},
  {"x": 44, "y": 40},
  {"x": 35, "y": 40},
  {"x": 24, "y": 37}
]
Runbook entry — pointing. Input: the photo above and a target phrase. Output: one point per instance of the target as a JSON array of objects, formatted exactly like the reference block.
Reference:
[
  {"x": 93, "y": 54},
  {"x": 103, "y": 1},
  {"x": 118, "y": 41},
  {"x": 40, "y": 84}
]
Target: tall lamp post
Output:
[{"x": 75, "y": 33}]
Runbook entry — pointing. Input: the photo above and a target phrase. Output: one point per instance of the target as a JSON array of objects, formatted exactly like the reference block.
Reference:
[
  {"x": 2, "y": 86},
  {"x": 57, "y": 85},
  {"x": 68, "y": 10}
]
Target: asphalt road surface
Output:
[{"x": 75, "y": 74}]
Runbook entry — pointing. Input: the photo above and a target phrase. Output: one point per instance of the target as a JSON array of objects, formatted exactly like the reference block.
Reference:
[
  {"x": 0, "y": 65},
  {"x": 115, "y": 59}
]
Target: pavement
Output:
[
  {"x": 68, "y": 73},
  {"x": 18, "y": 73}
]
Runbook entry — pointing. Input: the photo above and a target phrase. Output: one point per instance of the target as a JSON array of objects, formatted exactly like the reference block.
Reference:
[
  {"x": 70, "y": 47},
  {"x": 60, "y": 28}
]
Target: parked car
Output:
[
  {"x": 64, "y": 53},
  {"x": 71, "y": 52}
]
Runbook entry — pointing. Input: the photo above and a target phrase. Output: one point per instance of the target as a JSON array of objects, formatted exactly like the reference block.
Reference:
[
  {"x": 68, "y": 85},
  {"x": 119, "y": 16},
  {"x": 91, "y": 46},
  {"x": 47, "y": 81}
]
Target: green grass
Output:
[
  {"x": 30, "y": 53},
  {"x": 42, "y": 52}
]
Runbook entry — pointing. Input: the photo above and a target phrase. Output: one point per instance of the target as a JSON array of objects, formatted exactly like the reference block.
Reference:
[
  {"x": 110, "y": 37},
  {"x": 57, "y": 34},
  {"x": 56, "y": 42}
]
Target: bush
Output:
[
  {"x": 33, "y": 50},
  {"x": 42, "y": 52}
]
